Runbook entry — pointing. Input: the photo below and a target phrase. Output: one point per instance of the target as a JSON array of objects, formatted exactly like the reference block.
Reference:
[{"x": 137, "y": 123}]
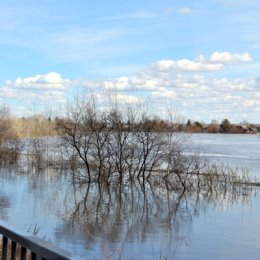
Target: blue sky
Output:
[{"x": 202, "y": 56}]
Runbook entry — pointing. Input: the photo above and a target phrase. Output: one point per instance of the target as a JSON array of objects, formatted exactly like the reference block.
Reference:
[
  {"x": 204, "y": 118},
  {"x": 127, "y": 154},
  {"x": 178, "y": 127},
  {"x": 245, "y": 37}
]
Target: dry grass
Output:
[{"x": 36, "y": 126}]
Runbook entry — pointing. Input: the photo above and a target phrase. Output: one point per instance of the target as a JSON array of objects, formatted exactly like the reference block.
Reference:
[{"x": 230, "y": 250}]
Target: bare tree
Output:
[
  {"x": 125, "y": 142},
  {"x": 150, "y": 143},
  {"x": 75, "y": 131}
]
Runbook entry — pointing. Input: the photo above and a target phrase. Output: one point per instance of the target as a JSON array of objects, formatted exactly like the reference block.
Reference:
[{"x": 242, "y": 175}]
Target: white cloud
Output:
[
  {"x": 161, "y": 81},
  {"x": 164, "y": 94},
  {"x": 237, "y": 84},
  {"x": 47, "y": 97},
  {"x": 250, "y": 103},
  {"x": 103, "y": 98},
  {"x": 186, "y": 65},
  {"x": 185, "y": 10},
  {"x": 45, "y": 88},
  {"x": 227, "y": 57},
  {"x": 258, "y": 16},
  {"x": 138, "y": 82},
  {"x": 50, "y": 80},
  {"x": 119, "y": 84},
  {"x": 195, "y": 92},
  {"x": 127, "y": 99},
  {"x": 167, "y": 69}
]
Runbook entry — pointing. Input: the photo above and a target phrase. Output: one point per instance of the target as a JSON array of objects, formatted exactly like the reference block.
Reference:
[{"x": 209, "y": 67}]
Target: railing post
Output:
[
  {"x": 33, "y": 256},
  {"x": 13, "y": 250},
  {"x": 23, "y": 253},
  {"x": 4, "y": 248}
]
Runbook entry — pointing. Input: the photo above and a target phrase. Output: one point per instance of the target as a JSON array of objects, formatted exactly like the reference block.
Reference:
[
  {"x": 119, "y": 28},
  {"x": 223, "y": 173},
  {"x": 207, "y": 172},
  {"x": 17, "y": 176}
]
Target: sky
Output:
[{"x": 202, "y": 57}]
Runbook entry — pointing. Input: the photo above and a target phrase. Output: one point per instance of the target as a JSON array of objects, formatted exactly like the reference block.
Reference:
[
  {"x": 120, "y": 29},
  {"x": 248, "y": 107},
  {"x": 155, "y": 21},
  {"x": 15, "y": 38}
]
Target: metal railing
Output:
[{"x": 27, "y": 246}]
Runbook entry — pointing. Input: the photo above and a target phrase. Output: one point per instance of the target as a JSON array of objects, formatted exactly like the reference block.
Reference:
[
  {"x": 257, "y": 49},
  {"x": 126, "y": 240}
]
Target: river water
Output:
[
  {"x": 100, "y": 222},
  {"x": 242, "y": 151}
]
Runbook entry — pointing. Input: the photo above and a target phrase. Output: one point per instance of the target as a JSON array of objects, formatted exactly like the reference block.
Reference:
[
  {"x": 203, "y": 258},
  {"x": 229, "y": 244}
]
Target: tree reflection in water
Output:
[
  {"x": 119, "y": 217},
  {"x": 4, "y": 203}
]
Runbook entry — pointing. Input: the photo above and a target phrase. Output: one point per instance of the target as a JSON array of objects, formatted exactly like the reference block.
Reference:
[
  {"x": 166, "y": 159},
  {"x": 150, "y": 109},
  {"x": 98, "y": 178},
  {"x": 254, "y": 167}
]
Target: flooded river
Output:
[{"x": 132, "y": 222}]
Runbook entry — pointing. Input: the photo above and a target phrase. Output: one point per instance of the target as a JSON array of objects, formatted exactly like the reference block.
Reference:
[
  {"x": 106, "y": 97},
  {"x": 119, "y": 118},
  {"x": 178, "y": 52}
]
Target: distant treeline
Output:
[
  {"x": 40, "y": 125},
  {"x": 156, "y": 124},
  {"x": 224, "y": 127}
]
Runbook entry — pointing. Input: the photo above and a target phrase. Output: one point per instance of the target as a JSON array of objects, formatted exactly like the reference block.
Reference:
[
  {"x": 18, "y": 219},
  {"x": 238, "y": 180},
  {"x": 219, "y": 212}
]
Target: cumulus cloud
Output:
[
  {"x": 195, "y": 92},
  {"x": 50, "y": 80},
  {"x": 138, "y": 82},
  {"x": 215, "y": 62},
  {"x": 48, "y": 97},
  {"x": 127, "y": 99},
  {"x": 186, "y": 65},
  {"x": 164, "y": 94},
  {"x": 227, "y": 57},
  {"x": 165, "y": 77},
  {"x": 44, "y": 88},
  {"x": 251, "y": 103},
  {"x": 190, "y": 83},
  {"x": 185, "y": 10},
  {"x": 103, "y": 97}
]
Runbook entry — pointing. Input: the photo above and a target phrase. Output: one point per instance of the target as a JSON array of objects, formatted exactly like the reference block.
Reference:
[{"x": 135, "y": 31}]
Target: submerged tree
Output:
[
  {"x": 122, "y": 143},
  {"x": 116, "y": 142}
]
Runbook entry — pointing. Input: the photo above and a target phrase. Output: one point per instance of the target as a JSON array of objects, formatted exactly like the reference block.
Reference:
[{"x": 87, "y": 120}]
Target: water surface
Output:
[{"x": 93, "y": 221}]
